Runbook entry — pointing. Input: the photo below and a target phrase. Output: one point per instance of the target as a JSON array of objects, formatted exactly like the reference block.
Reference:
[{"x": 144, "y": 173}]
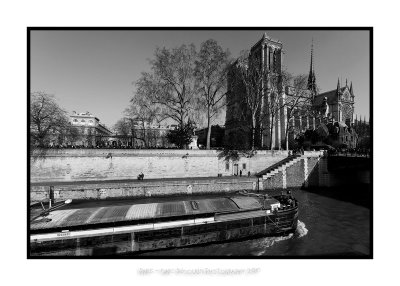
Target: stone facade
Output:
[
  {"x": 267, "y": 52},
  {"x": 90, "y": 131},
  {"x": 141, "y": 134},
  {"x": 328, "y": 107}
]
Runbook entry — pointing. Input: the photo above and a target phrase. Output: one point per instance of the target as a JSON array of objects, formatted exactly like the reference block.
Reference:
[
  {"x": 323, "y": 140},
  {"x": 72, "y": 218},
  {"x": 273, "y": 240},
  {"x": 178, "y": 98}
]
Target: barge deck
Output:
[{"x": 135, "y": 228}]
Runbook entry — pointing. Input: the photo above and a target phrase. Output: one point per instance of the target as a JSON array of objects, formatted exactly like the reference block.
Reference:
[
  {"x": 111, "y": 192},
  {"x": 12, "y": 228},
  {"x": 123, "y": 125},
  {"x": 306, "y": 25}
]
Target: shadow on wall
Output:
[
  {"x": 313, "y": 174},
  {"x": 37, "y": 153},
  {"x": 234, "y": 155},
  {"x": 350, "y": 184}
]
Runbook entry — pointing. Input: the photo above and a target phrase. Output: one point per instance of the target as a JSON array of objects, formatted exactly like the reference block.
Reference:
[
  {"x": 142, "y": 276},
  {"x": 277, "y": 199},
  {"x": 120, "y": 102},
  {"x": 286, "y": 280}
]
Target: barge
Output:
[{"x": 136, "y": 228}]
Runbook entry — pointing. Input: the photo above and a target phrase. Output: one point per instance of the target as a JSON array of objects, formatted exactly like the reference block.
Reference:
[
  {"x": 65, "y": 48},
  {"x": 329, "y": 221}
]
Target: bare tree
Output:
[
  {"x": 46, "y": 119},
  {"x": 211, "y": 77},
  {"x": 249, "y": 74},
  {"x": 170, "y": 86},
  {"x": 122, "y": 127},
  {"x": 272, "y": 103},
  {"x": 139, "y": 115},
  {"x": 297, "y": 98}
]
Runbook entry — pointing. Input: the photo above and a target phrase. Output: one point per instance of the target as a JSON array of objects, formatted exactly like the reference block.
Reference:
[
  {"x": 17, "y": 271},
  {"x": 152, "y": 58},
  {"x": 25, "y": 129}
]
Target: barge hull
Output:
[{"x": 223, "y": 229}]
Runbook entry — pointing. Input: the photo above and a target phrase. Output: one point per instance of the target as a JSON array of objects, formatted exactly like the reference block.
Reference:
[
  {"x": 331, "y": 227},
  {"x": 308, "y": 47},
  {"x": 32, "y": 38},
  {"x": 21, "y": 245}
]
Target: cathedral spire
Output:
[
  {"x": 351, "y": 88},
  {"x": 311, "y": 85},
  {"x": 338, "y": 86}
]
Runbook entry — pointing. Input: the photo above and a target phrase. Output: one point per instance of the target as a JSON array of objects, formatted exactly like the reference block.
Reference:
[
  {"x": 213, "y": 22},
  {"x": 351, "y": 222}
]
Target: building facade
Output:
[
  {"x": 279, "y": 123},
  {"x": 87, "y": 131},
  {"x": 363, "y": 130},
  {"x": 147, "y": 135},
  {"x": 141, "y": 134}
]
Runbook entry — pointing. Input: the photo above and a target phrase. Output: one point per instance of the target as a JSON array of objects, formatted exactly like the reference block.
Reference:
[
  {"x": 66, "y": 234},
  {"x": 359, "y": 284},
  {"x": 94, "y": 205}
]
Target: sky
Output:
[{"x": 95, "y": 70}]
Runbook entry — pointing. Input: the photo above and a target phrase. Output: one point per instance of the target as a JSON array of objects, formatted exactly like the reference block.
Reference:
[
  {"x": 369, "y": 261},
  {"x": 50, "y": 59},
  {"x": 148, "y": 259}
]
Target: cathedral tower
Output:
[{"x": 270, "y": 54}]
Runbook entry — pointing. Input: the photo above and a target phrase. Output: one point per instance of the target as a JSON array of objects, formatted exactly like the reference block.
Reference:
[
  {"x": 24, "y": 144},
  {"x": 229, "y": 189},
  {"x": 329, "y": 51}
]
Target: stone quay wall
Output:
[
  {"x": 116, "y": 164},
  {"x": 100, "y": 191},
  {"x": 300, "y": 174},
  {"x": 311, "y": 171},
  {"x": 295, "y": 177}
]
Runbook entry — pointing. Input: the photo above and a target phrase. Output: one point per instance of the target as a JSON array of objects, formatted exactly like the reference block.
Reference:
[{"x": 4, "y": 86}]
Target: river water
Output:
[{"x": 330, "y": 224}]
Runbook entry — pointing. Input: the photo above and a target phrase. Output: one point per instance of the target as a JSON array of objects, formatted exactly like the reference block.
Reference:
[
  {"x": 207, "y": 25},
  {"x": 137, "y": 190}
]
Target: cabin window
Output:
[
  {"x": 226, "y": 166},
  {"x": 244, "y": 166}
]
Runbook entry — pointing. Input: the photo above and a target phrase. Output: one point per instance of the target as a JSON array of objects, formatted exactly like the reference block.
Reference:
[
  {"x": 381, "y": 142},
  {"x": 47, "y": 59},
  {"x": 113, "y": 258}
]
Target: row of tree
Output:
[{"x": 184, "y": 86}]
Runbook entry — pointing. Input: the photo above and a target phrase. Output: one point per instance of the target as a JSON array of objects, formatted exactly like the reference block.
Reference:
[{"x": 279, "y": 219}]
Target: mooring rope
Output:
[{"x": 273, "y": 222}]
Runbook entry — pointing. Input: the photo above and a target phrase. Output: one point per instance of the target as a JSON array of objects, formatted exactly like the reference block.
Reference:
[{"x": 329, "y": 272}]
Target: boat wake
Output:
[
  {"x": 267, "y": 242},
  {"x": 301, "y": 229}
]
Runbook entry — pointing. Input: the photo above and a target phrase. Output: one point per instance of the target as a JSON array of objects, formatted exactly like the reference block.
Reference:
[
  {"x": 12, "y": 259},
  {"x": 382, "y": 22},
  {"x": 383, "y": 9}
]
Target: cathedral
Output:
[{"x": 276, "y": 123}]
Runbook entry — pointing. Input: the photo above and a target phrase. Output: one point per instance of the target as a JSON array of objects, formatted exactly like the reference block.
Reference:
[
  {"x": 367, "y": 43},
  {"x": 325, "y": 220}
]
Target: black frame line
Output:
[{"x": 198, "y": 28}]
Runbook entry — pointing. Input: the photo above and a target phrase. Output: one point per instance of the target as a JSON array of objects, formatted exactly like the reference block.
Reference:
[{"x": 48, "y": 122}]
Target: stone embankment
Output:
[{"x": 81, "y": 174}]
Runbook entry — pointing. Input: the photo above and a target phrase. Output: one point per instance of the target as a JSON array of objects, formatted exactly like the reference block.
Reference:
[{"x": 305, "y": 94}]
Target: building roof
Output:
[{"x": 331, "y": 96}]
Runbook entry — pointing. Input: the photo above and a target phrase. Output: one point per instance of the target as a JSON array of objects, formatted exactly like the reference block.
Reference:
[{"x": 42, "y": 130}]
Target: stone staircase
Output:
[{"x": 278, "y": 167}]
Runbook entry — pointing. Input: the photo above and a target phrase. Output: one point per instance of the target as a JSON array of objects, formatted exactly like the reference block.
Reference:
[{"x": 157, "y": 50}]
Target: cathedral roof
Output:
[{"x": 331, "y": 96}]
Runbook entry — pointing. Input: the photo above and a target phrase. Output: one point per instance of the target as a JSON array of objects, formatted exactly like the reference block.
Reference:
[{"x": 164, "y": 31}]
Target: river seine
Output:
[{"x": 331, "y": 223}]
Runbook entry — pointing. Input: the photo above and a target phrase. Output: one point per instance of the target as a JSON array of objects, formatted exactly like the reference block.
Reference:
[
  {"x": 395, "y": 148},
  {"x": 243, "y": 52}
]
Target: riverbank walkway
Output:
[{"x": 135, "y": 181}]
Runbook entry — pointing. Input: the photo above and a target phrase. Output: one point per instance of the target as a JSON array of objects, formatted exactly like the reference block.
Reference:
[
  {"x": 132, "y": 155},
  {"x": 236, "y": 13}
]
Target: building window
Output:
[
  {"x": 75, "y": 120},
  {"x": 226, "y": 166},
  {"x": 244, "y": 166}
]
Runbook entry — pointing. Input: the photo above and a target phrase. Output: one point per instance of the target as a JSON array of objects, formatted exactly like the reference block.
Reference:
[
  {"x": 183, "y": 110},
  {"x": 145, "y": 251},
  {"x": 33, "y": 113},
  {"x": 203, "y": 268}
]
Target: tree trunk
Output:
[
  {"x": 253, "y": 130},
  {"x": 144, "y": 135},
  {"x": 182, "y": 145},
  {"x": 287, "y": 134},
  {"x": 208, "y": 129},
  {"x": 270, "y": 131}
]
